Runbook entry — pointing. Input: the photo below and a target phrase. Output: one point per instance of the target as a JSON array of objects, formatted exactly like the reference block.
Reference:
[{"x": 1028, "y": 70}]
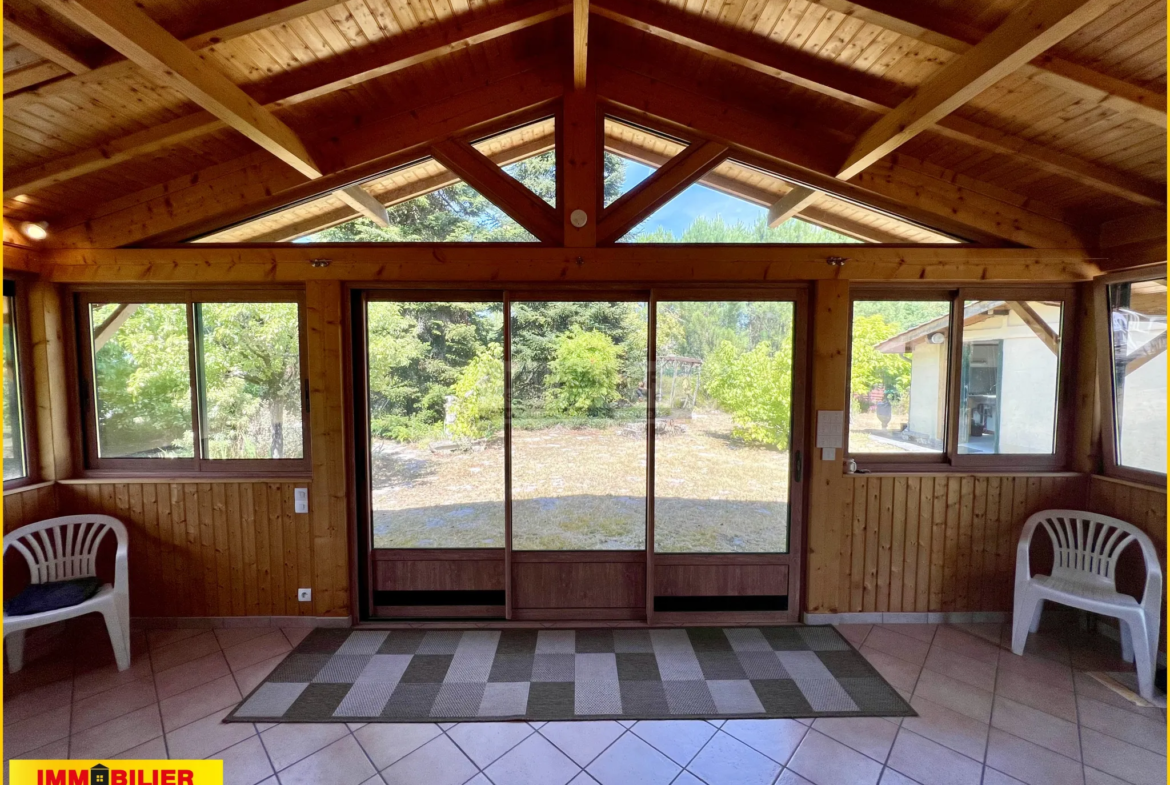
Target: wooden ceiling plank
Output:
[
  {"x": 35, "y": 35},
  {"x": 1027, "y": 32},
  {"x": 414, "y": 51},
  {"x": 139, "y": 38},
  {"x": 580, "y": 43},
  {"x": 790, "y": 204},
  {"x": 356, "y": 197},
  {"x": 767, "y": 57},
  {"x": 940, "y": 29},
  {"x": 507, "y": 193},
  {"x": 658, "y": 189},
  {"x": 24, "y": 78}
]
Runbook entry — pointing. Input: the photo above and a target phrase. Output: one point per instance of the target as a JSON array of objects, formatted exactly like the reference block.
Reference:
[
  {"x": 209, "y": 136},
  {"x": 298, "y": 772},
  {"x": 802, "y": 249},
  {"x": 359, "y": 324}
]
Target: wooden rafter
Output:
[
  {"x": 35, "y": 34},
  {"x": 139, "y": 38},
  {"x": 397, "y": 54},
  {"x": 1027, "y": 32},
  {"x": 791, "y": 204},
  {"x": 1036, "y": 323},
  {"x": 941, "y": 29},
  {"x": 356, "y": 197},
  {"x": 1144, "y": 353},
  {"x": 580, "y": 43},
  {"x": 794, "y": 66},
  {"x": 658, "y": 189},
  {"x": 523, "y": 206}
]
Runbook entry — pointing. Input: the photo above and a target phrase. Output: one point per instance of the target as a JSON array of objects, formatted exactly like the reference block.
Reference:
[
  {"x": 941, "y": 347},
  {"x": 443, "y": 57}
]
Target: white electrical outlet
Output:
[
  {"x": 301, "y": 499},
  {"x": 304, "y": 595}
]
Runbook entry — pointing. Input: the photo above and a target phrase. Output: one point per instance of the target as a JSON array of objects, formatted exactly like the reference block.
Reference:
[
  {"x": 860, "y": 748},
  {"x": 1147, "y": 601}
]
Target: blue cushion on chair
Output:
[{"x": 41, "y": 597}]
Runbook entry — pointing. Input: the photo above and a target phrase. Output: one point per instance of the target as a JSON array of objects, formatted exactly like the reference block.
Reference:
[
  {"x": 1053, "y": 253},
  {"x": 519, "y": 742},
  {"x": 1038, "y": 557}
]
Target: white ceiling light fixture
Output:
[{"x": 38, "y": 230}]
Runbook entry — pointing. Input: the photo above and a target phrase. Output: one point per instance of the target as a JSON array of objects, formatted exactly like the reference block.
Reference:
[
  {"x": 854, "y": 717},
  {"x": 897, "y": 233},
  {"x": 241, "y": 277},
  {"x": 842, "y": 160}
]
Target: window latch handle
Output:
[{"x": 797, "y": 466}]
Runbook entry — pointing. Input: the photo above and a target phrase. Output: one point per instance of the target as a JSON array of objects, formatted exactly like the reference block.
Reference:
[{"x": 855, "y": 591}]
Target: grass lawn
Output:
[{"x": 585, "y": 489}]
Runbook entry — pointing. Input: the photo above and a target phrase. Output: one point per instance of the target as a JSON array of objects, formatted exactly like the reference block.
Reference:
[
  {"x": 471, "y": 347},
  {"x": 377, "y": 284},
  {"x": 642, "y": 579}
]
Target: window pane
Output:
[
  {"x": 579, "y": 425},
  {"x": 898, "y": 376},
  {"x": 1137, "y": 318},
  {"x": 14, "y": 457},
  {"x": 436, "y": 395},
  {"x": 1010, "y": 372},
  {"x": 143, "y": 378},
  {"x": 724, "y": 418},
  {"x": 250, "y": 364}
]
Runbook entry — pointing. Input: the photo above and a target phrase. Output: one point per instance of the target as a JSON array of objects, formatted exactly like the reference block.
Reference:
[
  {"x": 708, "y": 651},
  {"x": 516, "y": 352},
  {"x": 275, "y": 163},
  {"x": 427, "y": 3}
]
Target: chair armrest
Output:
[
  {"x": 121, "y": 566},
  {"x": 1023, "y": 551}
]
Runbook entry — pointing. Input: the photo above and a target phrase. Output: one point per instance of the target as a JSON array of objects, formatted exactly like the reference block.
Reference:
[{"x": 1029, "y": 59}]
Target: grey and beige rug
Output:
[{"x": 526, "y": 674}]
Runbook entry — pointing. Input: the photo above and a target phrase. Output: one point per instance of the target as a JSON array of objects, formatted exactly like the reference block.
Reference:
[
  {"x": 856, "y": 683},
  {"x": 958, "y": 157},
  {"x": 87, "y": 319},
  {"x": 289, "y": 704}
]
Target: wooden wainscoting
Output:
[
  {"x": 936, "y": 542},
  {"x": 29, "y": 505},
  {"x": 217, "y": 549}
]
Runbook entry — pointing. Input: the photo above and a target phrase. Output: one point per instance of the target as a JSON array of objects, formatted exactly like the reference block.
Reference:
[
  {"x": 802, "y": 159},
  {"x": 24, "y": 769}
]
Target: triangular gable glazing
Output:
[{"x": 632, "y": 154}]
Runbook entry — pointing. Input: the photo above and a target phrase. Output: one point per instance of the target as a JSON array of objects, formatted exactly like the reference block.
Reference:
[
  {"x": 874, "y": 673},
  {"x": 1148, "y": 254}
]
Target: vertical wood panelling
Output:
[
  {"x": 29, "y": 505},
  {"x": 944, "y": 542}
]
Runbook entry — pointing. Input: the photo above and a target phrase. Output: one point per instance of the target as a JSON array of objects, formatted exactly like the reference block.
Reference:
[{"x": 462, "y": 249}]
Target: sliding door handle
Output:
[{"x": 797, "y": 466}]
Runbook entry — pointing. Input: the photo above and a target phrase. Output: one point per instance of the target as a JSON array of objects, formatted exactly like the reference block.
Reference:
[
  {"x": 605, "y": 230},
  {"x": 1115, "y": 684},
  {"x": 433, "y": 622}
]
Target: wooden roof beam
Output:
[
  {"x": 37, "y": 35},
  {"x": 1026, "y": 33},
  {"x": 580, "y": 43},
  {"x": 940, "y": 29},
  {"x": 357, "y": 197},
  {"x": 790, "y": 204},
  {"x": 844, "y": 84},
  {"x": 129, "y": 30},
  {"x": 406, "y": 52}
]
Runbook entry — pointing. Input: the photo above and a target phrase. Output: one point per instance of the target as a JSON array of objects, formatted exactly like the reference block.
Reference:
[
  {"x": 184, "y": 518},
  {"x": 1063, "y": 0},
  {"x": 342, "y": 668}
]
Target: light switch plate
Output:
[
  {"x": 304, "y": 595},
  {"x": 301, "y": 499}
]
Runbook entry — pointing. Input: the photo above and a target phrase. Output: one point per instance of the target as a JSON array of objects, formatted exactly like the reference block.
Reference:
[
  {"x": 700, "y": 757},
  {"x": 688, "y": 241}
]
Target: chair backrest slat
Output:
[
  {"x": 63, "y": 548},
  {"x": 1086, "y": 544}
]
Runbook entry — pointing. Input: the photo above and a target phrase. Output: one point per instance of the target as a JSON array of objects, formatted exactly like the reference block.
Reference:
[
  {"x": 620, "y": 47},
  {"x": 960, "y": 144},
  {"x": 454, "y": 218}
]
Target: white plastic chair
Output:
[
  {"x": 1086, "y": 547},
  {"x": 62, "y": 549}
]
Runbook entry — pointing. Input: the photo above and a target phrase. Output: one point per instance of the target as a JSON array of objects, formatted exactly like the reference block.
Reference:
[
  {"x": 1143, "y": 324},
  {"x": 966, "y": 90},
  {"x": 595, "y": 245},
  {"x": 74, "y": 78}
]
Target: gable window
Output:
[
  {"x": 1136, "y": 373},
  {"x": 193, "y": 381},
  {"x": 960, "y": 377},
  {"x": 17, "y": 462}
]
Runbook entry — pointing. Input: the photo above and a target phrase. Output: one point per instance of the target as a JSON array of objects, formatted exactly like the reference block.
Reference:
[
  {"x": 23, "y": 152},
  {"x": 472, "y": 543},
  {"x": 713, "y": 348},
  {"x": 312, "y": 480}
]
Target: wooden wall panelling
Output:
[
  {"x": 598, "y": 584},
  {"x": 675, "y": 579},
  {"x": 29, "y": 505}
]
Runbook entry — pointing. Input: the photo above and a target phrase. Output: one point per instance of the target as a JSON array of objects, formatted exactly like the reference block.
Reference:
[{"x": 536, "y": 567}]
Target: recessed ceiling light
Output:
[{"x": 35, "y": 231}]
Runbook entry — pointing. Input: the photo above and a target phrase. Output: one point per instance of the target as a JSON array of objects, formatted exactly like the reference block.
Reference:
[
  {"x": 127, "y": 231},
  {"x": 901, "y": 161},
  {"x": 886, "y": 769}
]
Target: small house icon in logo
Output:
[{"x": 99, "y": 775}]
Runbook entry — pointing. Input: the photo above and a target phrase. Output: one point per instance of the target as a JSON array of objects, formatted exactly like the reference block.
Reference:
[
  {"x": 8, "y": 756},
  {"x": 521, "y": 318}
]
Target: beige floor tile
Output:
[
  {"x": 904, "y": 647},
  {"x": 438, "y": 762},
  {"x": 155, "y": 749},
  {"x": 1095, "y": 777},
  {"x": 296, "y": 634},
  {"x": 582, "y": 741},
  {"x": 823, "y": 761},
  {"x": 249, "y": 678},
  {"x": 871, "y": 736},
  {"x": 1040, "y": 695},
  {"x": 534, "y": 761},
  {"x": 117, "y": 735},
  {"x": 923, "y": 632},
  {"x": 930, "y": 763},
  {"x": 679, "y": 740},
  {"x": 191, "y": 674},
  {"x": 728, "y": 761},
  {"x": 37, "y": 701},
  {"x": 56, "y": 750},
  {"x": 776, "y": 738},
  {"x": 958, "y": 641},
  {"x": 113, "y": 703},
  {"x": 485, "y": 742},
  {"x": 1119, "y": 723},
  {"x": 955, "y": 695},
  {"x": 157, "y": 639},
  {"x": 289, "y": 742},
  {"x": 1037, "y": 669},
  {"x": 207, "y": 736},
  {"x": 993, "y": 777},
  {"x": 195, "y": 704},
  {"x": 387, "y": 742},
  {"x": 186, "y": 650},
  {"x": 854, "y": 633},
  {"x": 961, "y": 668},
  {"x": 92, "y": 681},
  {"x": 989, "y": 632},
  {"x": 948, "y": 728},
  {"x": 1029, "y": 762},
  {"x": 1121, "y": 759},
  {"x": 245, "y": 763},
  {"x": 251, "y": 652},
  {"x": 629, "y": 760},
  {"x": 891, "y": 777},
  {"x": 37, "y": 731},
  {"x": 341, "y": 763},
  {"x": 899, "y": 673},
  {"x": 232, "y": 636},
  {"x": 1037, "y": 727},
  {"x": 1088, "y": 687}
]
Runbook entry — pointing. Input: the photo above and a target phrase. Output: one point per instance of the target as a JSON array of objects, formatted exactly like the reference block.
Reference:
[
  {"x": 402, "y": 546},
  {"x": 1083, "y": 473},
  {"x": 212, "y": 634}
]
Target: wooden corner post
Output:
[{"x": 827, "y": 483}]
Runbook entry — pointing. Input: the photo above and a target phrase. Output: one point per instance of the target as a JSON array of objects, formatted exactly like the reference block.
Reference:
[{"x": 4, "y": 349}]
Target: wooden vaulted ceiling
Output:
[{"x": 1041, "y": 125}]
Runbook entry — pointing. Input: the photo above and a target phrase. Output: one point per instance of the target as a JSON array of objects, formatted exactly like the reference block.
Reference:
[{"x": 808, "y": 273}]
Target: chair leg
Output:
[
  {"x": 1035, "y": 624},
  {"x": 119, "y": 631},
  {"x": 1142, "y": 652},
  {"x": 14, "y": 642},
  {"x": 1025, "y": 616},
  {"x": 1127, "y": 642}
]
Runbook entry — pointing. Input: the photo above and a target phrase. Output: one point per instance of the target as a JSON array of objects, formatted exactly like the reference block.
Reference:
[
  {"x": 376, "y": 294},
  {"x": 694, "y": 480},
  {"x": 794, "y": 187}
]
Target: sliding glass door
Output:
[{"x": 609, "y": 456}]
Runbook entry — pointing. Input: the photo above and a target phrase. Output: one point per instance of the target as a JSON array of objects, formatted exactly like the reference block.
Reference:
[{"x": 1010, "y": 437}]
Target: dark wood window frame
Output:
[
  {"x": 16, "y": 288},
  {"x": 1101, "y": 318},
  {"x": 950, "y": 459},
  {"x": 84, "y": 392}
]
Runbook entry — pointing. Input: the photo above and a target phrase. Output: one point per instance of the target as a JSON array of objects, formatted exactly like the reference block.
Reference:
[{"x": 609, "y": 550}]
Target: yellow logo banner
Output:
[{"x": 115, "y": 772}]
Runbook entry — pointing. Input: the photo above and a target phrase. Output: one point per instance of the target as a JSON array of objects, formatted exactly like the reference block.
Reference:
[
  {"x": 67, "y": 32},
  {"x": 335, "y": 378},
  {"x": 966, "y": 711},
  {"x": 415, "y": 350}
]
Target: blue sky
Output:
[{"x": 680, "y": 212}]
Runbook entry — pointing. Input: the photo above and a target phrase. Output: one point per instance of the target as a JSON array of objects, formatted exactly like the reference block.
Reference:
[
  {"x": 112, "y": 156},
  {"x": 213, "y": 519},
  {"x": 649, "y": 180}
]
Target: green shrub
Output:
[
  {"x": 584, "y": 373},
  {"x": 755, "y": 388},
  {"x": 479, "y": 395}
]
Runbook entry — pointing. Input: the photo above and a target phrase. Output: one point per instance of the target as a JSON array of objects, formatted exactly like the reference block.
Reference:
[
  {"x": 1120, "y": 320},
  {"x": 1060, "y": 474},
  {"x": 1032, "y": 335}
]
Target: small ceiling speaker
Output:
[{"x": 578, "y": 218}]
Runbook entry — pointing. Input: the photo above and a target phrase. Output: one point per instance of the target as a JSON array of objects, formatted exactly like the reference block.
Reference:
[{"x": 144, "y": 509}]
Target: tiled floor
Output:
[{"x": 986, "y": 718}]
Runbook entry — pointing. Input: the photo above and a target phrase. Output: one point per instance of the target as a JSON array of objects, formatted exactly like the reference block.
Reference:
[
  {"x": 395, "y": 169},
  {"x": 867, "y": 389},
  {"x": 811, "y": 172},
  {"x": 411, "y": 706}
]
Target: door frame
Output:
[{"x": 357, "y": 294}]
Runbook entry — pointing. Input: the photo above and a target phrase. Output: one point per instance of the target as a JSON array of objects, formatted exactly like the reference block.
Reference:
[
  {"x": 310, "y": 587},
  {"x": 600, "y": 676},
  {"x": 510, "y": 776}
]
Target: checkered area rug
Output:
[{"x": 466, "y": 675}]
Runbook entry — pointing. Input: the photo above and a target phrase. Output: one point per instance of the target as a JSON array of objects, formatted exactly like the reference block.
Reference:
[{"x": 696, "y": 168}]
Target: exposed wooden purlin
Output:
[
  {"x": 35, "y": 35},
  {"x": 394, "y": 56},
  {"x": 930, "y": 201},
  {"x": 139, "y": 38},
  {"x": 658, "y": 189},
  {"x": 1027, "y": 32},
  {"x": 826, "y": 77},
  {"x": 483, "y": 262},
  {"x": 233, "y": 21},
  {"x": 1144, "y": 353},
  {"x": 1134, "y": 240},
  {"x": 1036, "y": 323},
  {"x": 507, "y": 193},
  {"x": 942, "y": 29},
  {"x": 19, "y": 257},
  {"x": 580, "y": 43},
  {"x": 105, "y": 331},
  {"x": 791, "y": 204},
  {"x": 357, "y": 198},
  {"x": 24, "y": 78}
]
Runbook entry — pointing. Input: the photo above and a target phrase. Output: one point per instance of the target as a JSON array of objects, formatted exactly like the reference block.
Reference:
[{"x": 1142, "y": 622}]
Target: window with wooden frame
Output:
[
  {"x": 193, "y": 381},
  {"x": 1131, "y": 334},
  {"x": 971, "y": 378},
  {"x": 19, "y": 442}
]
